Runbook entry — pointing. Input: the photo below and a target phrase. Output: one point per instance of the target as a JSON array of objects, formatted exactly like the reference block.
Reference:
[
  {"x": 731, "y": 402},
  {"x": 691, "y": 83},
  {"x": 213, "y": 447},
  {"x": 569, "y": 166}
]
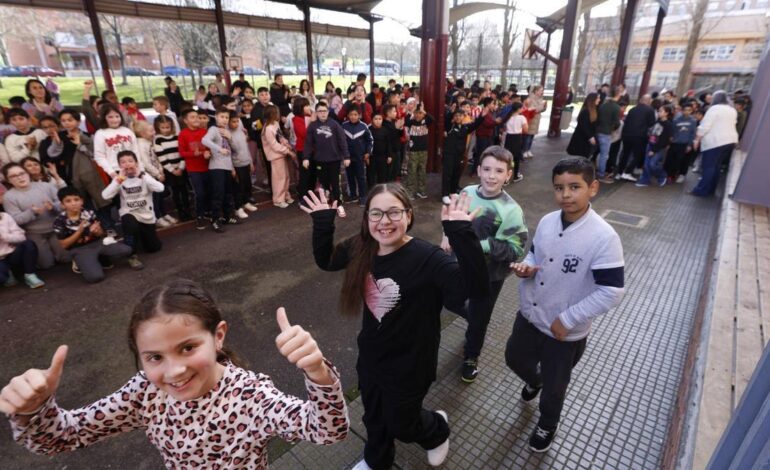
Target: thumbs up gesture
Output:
[
  {"x": 26, "y": 393},
  {"x": 300, "y": 348}
]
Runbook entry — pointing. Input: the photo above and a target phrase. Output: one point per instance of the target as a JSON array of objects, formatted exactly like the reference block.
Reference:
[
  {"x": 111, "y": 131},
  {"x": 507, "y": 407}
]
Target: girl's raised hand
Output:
[
  {"x": 459, "y": 209},
  {"x": 317, "y": 203},
  {"x": 26, "y": 393},
  {"x": 299, "y": 347}
]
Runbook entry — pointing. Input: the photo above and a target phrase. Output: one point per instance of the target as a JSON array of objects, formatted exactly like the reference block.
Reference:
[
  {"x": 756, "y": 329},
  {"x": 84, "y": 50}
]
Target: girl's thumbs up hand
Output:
[
  {"x": 26, "y": 393},
  {"x": 299, "y": 347}
]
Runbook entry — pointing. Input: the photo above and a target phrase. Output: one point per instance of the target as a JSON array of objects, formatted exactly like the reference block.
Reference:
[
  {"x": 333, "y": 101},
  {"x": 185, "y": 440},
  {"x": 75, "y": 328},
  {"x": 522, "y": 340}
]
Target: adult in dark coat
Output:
[{"x": 583, "y": 141}]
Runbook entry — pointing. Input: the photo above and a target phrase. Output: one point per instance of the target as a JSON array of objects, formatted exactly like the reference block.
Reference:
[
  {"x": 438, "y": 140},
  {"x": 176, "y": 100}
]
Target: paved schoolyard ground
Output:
[{"x": 618, "y": 407}]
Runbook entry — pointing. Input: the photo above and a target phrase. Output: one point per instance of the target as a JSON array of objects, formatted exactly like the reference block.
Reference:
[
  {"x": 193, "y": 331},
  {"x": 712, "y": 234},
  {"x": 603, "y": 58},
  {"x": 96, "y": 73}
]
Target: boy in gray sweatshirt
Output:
[
  {"x": 221, "y": 171},
  {"x": 243, "y": 166}
]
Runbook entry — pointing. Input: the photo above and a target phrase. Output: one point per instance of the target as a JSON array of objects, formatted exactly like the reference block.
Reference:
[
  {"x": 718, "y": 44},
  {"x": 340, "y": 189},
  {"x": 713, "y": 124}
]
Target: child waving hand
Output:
[
  {"x": 401, "y": 283},
  {"x": 188, "y": 378}
]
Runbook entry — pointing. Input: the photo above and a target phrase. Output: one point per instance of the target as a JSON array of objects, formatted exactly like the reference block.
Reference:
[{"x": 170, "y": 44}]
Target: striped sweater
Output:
[{"x": 167, "y": 151}]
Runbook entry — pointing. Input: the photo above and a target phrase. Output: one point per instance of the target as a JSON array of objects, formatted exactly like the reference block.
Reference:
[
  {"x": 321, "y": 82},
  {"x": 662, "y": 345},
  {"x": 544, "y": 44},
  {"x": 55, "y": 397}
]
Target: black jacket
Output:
[{"x": 638, "y": 121}]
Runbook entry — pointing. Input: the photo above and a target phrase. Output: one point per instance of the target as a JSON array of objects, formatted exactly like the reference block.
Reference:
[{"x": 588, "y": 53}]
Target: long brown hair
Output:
[
  {"x": 179, "y": 297},
  {"x": 590, "y": 104},
  {"x": 270, "y": 115},
  {"x": 363, "y": 250}
]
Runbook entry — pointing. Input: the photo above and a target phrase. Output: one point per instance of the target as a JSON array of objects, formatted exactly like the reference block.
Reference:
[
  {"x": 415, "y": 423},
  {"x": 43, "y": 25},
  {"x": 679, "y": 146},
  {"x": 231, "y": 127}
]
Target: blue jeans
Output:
[
  {"x": 711, "y": 161},
  {"x": 604, "y": 152},
  {"x": 526, "y": 144},
  {"x": 653, "y": 167},
  {"x": 200, "y": 184}
]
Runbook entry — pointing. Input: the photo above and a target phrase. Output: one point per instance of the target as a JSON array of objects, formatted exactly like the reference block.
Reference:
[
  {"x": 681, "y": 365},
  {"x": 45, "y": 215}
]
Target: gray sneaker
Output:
[
  {"x": 33, "y": 281},
  {"x": 135, "y": 264}
]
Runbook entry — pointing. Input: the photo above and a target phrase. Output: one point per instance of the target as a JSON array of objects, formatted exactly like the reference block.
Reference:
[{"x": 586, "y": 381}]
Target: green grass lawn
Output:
[{"x": 71, "y": 89}]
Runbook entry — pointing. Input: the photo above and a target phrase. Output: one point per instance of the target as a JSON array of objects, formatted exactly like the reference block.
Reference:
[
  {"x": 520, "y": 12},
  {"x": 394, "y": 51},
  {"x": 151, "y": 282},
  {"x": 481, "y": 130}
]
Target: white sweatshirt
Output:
[
  {"x": 135, "y": 196},
  {"x": 109, "y": 142}
]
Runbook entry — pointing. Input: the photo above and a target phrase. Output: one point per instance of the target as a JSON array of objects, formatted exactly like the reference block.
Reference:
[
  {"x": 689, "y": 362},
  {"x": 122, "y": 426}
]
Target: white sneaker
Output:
[
  {"x": 362, "y": 465},
  {"x": 446, "y": 200},
  {"x": 241, "y": 214},
  {"x": 161, "y": 223},
  {"x": 282, "y": 205},
  {"x": 250, "y": 207},
  {"x": 171, "y": 219},
  {"x": 106, "y": 241},
  {"x": 341, "y": 212},
  {"x": 530, "y": 155},
  {"x": 680, "y": 179},
  {"x": 628, "y": 177},
  {"x": 437, "y": 456}
]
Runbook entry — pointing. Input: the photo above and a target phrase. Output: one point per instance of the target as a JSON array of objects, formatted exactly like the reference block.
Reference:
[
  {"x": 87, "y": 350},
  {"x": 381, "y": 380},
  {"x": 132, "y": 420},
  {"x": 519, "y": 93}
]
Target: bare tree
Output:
[
  {"x": 320, "y": 47},
  {"x": 158, "y": 36},
  {"x": 584, "y": 49},
  {"x": 117, "y": 30},
  {"x": 193, "y": 40},
  {"x": 507, "y": 39},
  {"x": 457, "y": 34},
  {"x": 695, "y": 34}
]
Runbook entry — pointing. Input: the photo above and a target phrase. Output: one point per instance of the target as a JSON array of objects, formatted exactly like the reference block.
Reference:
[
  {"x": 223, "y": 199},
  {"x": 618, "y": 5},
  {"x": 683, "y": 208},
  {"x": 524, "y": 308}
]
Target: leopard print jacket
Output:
[{"x": 229, "y": 427}]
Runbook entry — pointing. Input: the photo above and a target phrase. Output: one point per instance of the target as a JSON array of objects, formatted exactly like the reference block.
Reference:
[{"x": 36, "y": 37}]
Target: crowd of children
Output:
[
  {"x": 63, "y": 185},
  {"x": 660, "y": 138}
]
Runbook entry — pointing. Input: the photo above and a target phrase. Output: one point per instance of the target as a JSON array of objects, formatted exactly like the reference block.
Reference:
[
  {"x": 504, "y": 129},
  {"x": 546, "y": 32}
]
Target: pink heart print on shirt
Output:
[{"x": 381, "y": 296}]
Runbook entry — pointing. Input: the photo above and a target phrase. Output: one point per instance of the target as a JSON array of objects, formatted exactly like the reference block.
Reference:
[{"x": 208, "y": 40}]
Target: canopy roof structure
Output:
[
  {"x": 557, "y": 18},
  {"x": 157, "y": 11}
]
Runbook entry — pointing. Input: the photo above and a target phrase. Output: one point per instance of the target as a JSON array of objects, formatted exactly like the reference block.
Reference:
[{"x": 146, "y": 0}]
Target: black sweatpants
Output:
[
  {"x": 451, "y": 170},
  {"x": 221, "y": 193},
  {"x": 179, "y": 193},
  {"x": 634, "y": 148},
  {"x": 382, "y": 169},
  {"x": 677, "y": 160},
  {"x": 242, "y": 186},
  {"x": 513, "y": 143},
  {"x": 388, "y": 417},
  {"x": 479, "y": 313},
  {"x": 139, "y": 235},
  {"x": 329, "y": 177},
  {"x": 526, "y": 348}
]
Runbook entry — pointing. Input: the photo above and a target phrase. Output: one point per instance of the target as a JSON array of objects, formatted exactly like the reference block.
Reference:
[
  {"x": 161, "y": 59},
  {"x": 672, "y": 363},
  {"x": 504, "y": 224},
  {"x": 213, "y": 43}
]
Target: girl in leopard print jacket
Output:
[{"x": 194, "y": 403}]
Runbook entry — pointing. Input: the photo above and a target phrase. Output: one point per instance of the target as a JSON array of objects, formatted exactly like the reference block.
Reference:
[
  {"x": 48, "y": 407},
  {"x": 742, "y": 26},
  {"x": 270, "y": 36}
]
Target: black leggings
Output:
[
  {"x": 329, "y": 176},
  {"x": 513, "y": 143}
]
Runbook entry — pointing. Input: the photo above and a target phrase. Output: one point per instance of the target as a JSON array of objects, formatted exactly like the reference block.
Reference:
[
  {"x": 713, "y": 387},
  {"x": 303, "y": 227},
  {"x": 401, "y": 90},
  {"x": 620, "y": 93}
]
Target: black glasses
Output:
[{"x": 375, "y": 215}]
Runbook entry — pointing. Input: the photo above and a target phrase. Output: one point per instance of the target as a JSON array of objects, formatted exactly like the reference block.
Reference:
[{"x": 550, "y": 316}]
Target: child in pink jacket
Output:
[{"x": 16, "y": 254}]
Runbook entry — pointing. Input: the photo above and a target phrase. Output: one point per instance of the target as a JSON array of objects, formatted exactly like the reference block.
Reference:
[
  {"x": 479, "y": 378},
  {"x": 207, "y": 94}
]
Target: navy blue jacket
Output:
[{"x": 359, "y": 138}]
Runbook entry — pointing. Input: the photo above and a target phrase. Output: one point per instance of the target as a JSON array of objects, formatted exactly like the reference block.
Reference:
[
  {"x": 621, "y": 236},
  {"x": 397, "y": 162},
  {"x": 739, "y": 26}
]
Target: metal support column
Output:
[
  {"x": 619, "y": 72},
  {"x": 308, "y": 43},
  {"x": 96, "y": 29},
  {"x": 561, "y": 87},
  {"x": 371, "y": 51},
  {"x": 433, "y": 55},
  {"x": 653, "y": 50},
  {"x": 222, "y": 41},
  {"x": 545, "y": 60}
]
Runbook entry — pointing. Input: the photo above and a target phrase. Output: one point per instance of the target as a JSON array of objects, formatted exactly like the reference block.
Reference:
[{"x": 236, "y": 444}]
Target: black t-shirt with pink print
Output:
[{"x": 405, "y": 293}]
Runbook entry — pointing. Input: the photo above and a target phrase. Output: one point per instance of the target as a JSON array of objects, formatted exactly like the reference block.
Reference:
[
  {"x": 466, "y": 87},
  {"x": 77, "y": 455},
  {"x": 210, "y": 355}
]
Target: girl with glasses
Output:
[{"x": 401, "y": 283}]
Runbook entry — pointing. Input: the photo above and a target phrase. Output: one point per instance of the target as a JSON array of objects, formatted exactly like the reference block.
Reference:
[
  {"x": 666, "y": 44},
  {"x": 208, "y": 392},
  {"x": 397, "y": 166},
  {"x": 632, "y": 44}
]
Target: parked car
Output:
[
  {"x": 137, "y": 71},
  {"x": 10, "y": 72},
  {"x": 176, "y": 71},
  {"x": 39, "y": 71},
  {"x": 210, "y": 70},
  {"x": 250, "y": 71},
  {"x": 284, "y": 71}
]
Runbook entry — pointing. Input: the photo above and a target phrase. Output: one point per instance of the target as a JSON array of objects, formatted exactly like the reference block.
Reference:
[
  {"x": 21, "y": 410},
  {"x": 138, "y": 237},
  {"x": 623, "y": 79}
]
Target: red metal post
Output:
[
  {"x": 308, "y": 43},
  {"x": 96, "y": 29},
  {"x": 222, "y": 40},
  {"x": 561, "y": 87},
  {"x": 653, "y": 50},
  {"x": 545, "y": 59},
  {"x": 619, "y": 72},
  {"x": 433, "y": 55}
]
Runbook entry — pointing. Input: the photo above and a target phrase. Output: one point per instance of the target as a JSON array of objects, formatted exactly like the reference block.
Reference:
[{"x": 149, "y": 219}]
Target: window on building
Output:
[
  {"x": 729, "y": 4},
  {"x": 673, "y": 54},
  {"x": 717, "y": 53},
  {"x": 760, "y": 3},
  {"x": 639, "y": 54},
  {"x": 666, "y": 79},
  {"x": 752, "y": 51},
  {"x": 713, "y": 6}
]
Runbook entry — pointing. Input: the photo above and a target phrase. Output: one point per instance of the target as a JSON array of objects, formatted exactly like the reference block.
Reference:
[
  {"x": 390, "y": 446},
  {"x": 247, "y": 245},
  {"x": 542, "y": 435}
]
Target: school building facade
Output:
[{"x": 732, "y": 39}]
